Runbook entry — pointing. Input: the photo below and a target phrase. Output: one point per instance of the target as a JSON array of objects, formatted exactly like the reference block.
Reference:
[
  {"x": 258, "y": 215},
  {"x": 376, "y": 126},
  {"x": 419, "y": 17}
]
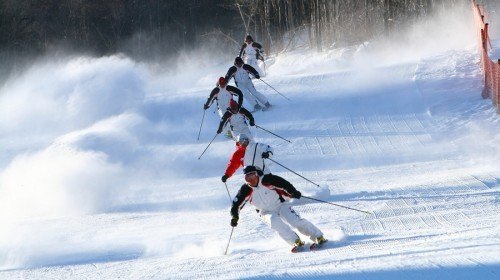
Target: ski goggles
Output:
[{"x": 250, "y": 175}]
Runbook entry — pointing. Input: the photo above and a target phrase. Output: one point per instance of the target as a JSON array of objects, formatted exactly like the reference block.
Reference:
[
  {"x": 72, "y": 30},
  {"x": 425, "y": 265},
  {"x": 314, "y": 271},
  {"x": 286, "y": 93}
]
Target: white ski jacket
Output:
[
  {"x": 267, "y": 196},
  {"x": 223, "y": 95}
]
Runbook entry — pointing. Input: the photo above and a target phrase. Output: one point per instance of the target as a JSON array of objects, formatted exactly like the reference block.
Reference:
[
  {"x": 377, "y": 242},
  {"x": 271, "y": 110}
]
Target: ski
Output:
[
  {"x": 316, "y": 246},
  {"x": 311, "y": 246},
  {"x": 298, "y": 249}
]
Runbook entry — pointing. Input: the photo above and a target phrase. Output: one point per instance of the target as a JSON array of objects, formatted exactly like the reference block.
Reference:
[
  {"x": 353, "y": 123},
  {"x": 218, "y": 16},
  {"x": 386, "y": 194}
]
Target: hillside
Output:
[{"x": 100, "y": 177}]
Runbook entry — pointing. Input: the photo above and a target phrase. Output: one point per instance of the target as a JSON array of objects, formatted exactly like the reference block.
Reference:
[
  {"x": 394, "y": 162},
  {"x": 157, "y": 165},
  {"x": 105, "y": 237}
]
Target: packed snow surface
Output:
[{"x": 100, "y": 176}]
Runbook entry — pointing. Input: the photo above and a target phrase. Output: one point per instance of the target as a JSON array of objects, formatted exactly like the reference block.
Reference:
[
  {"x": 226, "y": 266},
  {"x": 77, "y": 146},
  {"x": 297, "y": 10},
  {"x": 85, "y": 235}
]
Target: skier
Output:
[
  {"x": 248, "y": 153},
  {"x": 267, "y": 195},
  {"x": 240, "y": 72},
  {"x": 236, "y": 117},
  {"x": 223, "y": 93},
  {"x": 253, "y": 52}
]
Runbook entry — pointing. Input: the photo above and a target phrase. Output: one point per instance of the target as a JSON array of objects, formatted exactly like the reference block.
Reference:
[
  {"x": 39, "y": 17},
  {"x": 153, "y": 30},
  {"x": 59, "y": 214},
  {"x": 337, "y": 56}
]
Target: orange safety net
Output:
[{"x": 490, "y": 68}]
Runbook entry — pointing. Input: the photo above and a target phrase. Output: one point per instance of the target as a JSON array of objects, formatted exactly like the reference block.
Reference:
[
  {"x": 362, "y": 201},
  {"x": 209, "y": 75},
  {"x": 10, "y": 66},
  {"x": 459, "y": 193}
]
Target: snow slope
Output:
[{"x": 100, "y": 177}]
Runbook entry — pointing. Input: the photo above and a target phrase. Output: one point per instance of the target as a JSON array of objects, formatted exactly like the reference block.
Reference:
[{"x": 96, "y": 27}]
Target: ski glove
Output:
[
  {"x": 257, "y": 76},
  {"x": 234, "y": 221},
  {"x": 206, "y": 106},
  {"x": 266, "y": 154},
  {"x": 219, "y": 130},
  {"x": 224, "y": 178},
  {"x": 252, "y": 123},
  {"x": 296, "y": 195}
]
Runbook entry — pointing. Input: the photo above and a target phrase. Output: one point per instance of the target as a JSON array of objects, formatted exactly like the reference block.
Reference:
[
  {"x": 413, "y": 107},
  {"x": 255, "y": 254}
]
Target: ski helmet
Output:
[
  {"x": 243, "y": 139},
  {"x": 238, "y": 61},
  {"x": 248, "y": 38},
  {"x": 233, "y": 106},
  {"x": 250, "y": 168},
  {"x": 222, "y": 82}
]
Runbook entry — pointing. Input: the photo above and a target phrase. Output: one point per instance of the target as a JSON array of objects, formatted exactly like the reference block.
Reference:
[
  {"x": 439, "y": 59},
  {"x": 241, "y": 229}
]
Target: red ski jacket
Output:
[{"x": 236, "y": 160}]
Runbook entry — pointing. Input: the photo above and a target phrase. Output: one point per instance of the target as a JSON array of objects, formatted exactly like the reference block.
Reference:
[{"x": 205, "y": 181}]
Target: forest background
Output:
[{"x": 158, "y": 30}]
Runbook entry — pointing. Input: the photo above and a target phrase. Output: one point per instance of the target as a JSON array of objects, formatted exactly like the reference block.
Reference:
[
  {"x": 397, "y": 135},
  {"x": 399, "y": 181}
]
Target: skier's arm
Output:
[
  {"x": 211, "y": 98},
  {"x": 239, "y": 200},
  {"x": 257, "y": 45},
  {"x": 259, "y": 50},
  {"x": 230, "y": 73},
  {"x": 236, "y": 91},
  {"x": 280, "y": 183},
  {"x": 249, "y": 115},
  {"x": 260, "y": 56},
  {"x": 223, "y": 121},
  {"x": 242, "y": 49},
  {"x": 235, "y": 162},
  {"x": 251, "y": 70}
]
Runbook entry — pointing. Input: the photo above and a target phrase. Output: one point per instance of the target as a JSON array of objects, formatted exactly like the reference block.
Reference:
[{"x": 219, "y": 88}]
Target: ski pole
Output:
[
  {"x": 293, "y": 172},
  {"x": 275, "y": 89},
  {"x": 227, "y": 189},
  {"x": 366, "y": 212},
  {"x": 202, "y": 118},
  {"x": 232, "y": 229},
  {"x": 208, "y": 145},
  {"x": 273, "y": 133}
]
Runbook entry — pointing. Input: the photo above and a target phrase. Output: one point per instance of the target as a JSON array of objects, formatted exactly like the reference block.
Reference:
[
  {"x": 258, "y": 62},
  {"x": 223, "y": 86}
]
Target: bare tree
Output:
[{"x": 166, "y": 27}]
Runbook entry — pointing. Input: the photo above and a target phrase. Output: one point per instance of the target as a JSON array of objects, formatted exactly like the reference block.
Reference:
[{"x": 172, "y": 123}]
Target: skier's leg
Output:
[
  {"x": 228, "y": 129},
  {"x": 284, "y": 230},
  {"x": 248, "y": 95},
  {"x": 261, "y": 97},
  {"x": 245, "y": 130},
  {"x": 241, "y": 128},
  {"x": 302, "y": 225},
  {"x": 252, "y": 61}
]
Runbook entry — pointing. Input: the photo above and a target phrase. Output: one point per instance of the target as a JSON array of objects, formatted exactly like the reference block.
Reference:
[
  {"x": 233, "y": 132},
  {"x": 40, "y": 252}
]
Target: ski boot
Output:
[
  {"x": 318, "y": 243},
  {"x": 267, "y": 106},
  {"x": 256, "y": 108},
  {"x": 299, "y": 246}
]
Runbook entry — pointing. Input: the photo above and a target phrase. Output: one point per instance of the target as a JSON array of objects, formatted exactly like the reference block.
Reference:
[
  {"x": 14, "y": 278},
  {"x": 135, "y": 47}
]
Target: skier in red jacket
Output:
[{"x": 248, "y": 153}]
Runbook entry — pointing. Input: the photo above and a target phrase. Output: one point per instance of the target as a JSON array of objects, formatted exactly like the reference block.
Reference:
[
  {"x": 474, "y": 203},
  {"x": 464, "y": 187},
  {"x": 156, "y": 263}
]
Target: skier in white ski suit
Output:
[
  {"x": 223, "y": 93},
  {"x": 236, "y": 116},
  {"x": 253, "y": 52},
  {"x": 240, "y": 72},
  {"x": 248, "y": 153},
  {"x": 266, "y": 193}
]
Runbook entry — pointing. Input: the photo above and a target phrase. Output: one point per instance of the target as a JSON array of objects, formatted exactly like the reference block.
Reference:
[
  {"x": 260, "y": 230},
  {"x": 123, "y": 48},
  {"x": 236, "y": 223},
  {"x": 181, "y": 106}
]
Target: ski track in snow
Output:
[{"x": 397, "y": 151}]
